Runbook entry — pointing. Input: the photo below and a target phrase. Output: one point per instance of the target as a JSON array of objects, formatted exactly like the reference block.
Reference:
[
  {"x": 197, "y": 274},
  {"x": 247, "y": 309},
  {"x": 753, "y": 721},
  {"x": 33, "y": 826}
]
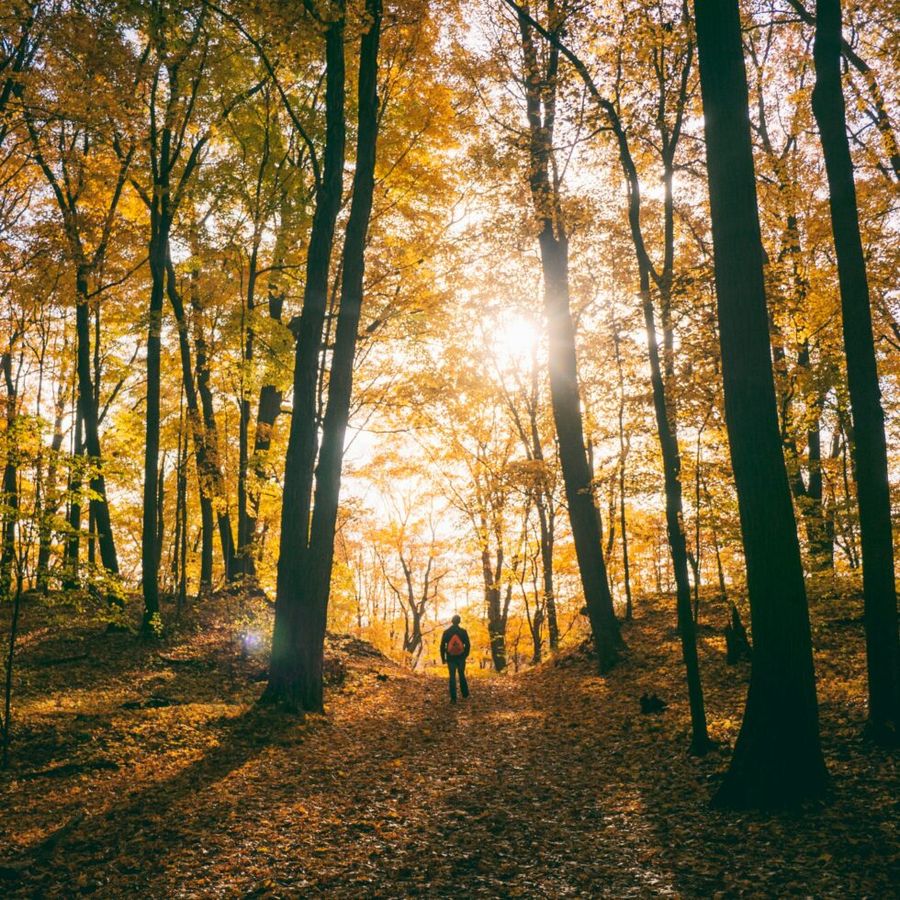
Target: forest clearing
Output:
[
  {"x": 550, "y": 783},
  {"x": 355, "y": 354}
]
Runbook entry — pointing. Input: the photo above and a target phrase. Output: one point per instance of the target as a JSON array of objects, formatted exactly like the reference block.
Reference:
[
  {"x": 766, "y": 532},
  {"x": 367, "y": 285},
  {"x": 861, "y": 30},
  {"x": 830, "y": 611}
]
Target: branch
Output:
[{"x": 270, "y": 68}]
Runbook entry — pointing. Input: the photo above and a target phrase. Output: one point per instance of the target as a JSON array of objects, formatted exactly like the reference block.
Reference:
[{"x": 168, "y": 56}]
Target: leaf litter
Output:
[{"x": 148, "y": 769}]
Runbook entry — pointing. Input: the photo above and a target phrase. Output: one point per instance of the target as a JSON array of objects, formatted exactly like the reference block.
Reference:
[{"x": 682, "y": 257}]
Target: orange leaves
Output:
[{"x": 551, "y": 783}]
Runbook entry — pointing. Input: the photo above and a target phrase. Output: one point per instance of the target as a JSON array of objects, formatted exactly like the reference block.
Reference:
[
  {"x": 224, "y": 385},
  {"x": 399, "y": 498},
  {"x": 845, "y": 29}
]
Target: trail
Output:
[{"x": 396, "y": 793}]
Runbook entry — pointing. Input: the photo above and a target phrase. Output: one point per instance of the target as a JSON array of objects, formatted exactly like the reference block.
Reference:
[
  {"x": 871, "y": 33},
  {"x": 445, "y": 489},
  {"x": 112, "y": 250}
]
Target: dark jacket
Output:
[{"x": 445, "y": 639}]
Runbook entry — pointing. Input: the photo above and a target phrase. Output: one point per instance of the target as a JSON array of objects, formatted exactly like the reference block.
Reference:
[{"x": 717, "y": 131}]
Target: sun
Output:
[{"x": 516, "y": 339}]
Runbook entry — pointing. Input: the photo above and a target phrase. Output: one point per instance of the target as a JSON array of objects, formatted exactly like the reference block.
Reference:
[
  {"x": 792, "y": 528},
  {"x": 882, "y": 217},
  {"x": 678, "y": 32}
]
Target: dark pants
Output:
[{"x": 457, "y": 666}]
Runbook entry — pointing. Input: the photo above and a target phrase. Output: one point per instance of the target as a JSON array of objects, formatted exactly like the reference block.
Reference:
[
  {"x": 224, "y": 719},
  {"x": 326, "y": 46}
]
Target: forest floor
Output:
[{"x": 146, "y": 770}]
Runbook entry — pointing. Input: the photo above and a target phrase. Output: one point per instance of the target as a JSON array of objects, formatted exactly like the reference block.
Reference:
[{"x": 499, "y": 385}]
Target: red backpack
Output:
[{"x": 455, "y": 646}]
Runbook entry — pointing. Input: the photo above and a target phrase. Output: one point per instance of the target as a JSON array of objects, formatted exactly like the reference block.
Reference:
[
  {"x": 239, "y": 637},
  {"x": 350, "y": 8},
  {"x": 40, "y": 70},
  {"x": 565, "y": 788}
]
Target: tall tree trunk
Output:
[
  {"x": 179, "y": 549},
  {"x": 671, "y": 456},
  {"x": 545, "y": 521},
  {"x": 89, "y": 415},
  {"x": 10, "y": 488},
  {"x": 51, "y": 496},
  {"x": 313, "y": 594},
  {"x": 245, "y": 562},
  {"x": 566, "y": 402},
  {"x": 819, "y": 527},
  {"x": 493, "y": 602},
  {"x": 72, "y": 552},
  {"x": 662, "y": 380},
  {"x": 623, "y": 455},
  {"x": 295, "y": 670},
  {"x": 869, "y": 448},
  {"x": 209, "y": 475},
  {"x": 217, "y": 486},
  {"x": 565, "y": 398},
  {"x": 214, "y": 482},
  {"x": 149, "y": 548},
  {"x": 544, "y": 502},
  {"x": 665, "y": 411},
  {"x": 778, "y": 757},
  {"x": 160, "y": 510},
  {"x": 270, "y": 395}
]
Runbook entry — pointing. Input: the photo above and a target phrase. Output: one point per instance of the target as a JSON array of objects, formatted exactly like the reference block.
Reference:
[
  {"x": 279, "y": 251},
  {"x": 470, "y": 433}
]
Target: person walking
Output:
[{"x": 455, "y": 647}]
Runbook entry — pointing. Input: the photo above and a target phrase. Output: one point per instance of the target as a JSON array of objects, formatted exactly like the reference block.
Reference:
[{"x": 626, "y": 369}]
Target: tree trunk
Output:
[
  {"x": 88, "y": 412},
  {"x": 209, "y": 476},
  {"x": 564, "y": 393},
  {"x": 493, "y": 601},
  {"x": 545, "y": 521},
  {"x": 245, "y": 562},
  {"x": 179, "y": 548},
  {"x": 214, "y": 481},
  {"x": 51, "y": 496},
  {"x": 10, "y": 489},
  {"x": 869, "y": 448},
  {"x": 778, "y": 757},
  {"x": 161, "y": 511},
  {"x": 71, "y": 554},
  {"x": 623, "y": 455},
  {"x": 583, "y": 513},
  {"x": 312, "y": 599},
  {"x": 295, "y": 670},
  {"x": 700, "y": 742},
  {"x": 270, "y": 395},
  {"x": 149, "y": 548},
  {"x": 662, "y": 375}
]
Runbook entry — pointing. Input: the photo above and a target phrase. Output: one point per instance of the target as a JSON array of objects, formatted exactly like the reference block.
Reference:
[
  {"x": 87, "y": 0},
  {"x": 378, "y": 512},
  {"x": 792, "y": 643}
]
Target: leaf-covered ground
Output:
[{"x": 147, "y": 770}]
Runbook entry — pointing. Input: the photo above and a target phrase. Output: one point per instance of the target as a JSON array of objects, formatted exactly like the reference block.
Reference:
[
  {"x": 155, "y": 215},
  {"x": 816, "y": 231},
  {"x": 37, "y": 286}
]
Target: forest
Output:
[{"x": 325, "y": 321}]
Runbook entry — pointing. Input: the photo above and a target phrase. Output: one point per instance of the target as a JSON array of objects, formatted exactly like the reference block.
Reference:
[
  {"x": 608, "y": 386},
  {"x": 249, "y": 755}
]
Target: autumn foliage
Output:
[{"x": 322, "y": 322}]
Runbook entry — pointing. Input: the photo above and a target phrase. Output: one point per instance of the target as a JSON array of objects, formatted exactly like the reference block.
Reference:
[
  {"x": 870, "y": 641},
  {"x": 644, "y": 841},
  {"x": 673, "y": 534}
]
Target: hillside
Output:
[{"x": 147, "y": 769}]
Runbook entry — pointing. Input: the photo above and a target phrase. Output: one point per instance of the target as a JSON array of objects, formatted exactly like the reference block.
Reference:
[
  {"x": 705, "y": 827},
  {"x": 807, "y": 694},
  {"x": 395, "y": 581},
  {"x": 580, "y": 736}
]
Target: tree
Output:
[
  {"x": 307, "y": 548},
  {"x": 661, "y": 372},
  {"x": 778, "y": 757},
  {"x": 538, "y": 477},
  {"x": 81, "y": 156},
  {"x": 177, "y": 138},
  {"x": 540, "y": 92},
  {"x": 869, "y": 446}
]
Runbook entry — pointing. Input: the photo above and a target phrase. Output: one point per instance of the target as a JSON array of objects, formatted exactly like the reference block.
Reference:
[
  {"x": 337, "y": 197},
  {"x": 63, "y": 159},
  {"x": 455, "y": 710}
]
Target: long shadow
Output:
[
  {"x": 99, "y": 836},
  {"x": 154, "y": 815}
]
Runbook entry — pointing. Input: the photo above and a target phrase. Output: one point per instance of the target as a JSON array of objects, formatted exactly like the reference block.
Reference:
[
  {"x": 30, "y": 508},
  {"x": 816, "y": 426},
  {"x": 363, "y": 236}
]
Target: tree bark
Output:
[
  {"x": 209, "y": 475},
  {"x": 149, "y": 550},
  {"x": 10, "y": 488},
  {"x": 244, "y": 563},
  {"x": 778, "y": 757},
  {"x": 51, "y": 498},
  {"x": 662, "y": 378},
  {"x": 295, "y": 670},
  {"x": 214, "y": 513},
  {"x": 216, "y": 483},
  {"x": 270, "y": 395},
  {"x": 89, "y": 414},
  {"x": 869, "y": 447},
  {"x": 565, "y": 397},
  {"x": 493, "y": 601},
  {"x": 72, "y": 551},
  {"x": 623, "y": 455},
  {"x": 319, "y": 557},
  {"x": 671, "y": 456}
]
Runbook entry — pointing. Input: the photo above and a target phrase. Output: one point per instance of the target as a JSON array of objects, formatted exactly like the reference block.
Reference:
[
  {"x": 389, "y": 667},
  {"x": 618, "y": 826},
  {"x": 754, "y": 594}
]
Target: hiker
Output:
[{"x": 455, "y": 648}]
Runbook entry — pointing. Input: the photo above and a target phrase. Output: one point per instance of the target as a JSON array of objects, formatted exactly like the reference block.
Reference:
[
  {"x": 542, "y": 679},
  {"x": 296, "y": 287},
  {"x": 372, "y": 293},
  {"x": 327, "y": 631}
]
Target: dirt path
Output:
[
  {"x": 547, "y": 784},
  {"x": 397, "y": 793}
]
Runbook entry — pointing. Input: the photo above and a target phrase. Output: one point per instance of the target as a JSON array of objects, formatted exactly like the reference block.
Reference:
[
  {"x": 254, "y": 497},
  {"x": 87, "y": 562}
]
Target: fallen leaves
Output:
[{"x": 551, "y": 783}]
